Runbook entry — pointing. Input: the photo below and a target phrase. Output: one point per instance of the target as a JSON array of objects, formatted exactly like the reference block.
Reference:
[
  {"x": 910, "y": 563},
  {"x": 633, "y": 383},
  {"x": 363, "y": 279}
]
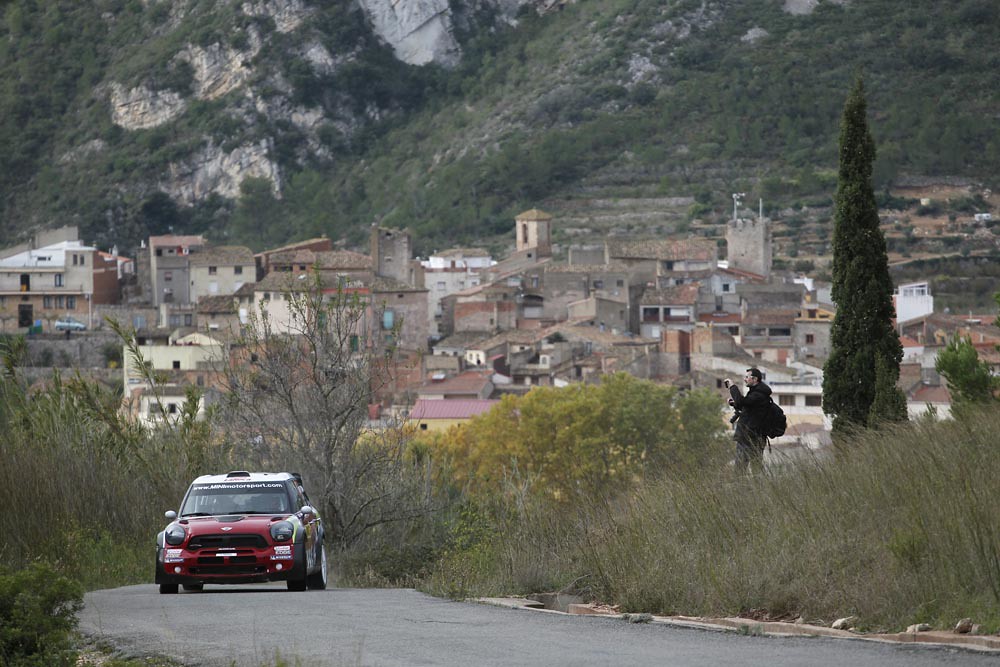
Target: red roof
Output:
[
  {"x": 469, "y": 382},
  {"x": 450, "y": 409},
  {"x": 926, "y": 393}
]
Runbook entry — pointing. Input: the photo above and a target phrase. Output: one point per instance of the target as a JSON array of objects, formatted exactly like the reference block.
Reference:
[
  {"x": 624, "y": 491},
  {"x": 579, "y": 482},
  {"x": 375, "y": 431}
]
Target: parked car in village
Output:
[
  {"x": 69, "y": 323},
  {"x": 242, "y": 527}
]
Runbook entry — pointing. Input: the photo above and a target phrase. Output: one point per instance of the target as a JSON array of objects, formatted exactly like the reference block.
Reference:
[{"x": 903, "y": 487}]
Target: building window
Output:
[
  {"x": 177, "y": 365},
  {"x": 71, "y": 302},
  {"x": 83, "y": 260},
  {"x": 159, "y": 252},
  {"x": 172, "y": 408},
  {"x": 810, "y": 339},
  {"x": 59, "y": 302},
  {"x": 46, "y": 302},
  {"x": 168, "y": 276},
  {"x": 725, "y": 287},
  {"x": 598, "y": 284},
  {"x": 74, "y": 260},
  {"x": 619, "y": 283},
  {"x": 187, "y": 319},
  {"x": 785, "y": 399},
  {"x": 212, "y": 270},
  {"x": 814, "y": 401},
  {"x": 668, "y": 266},
  {"x": 237, "y": 270},
  {"x": 423, "y": 427},
  {"x": 440, "y": 285},
  {"x": 58, "y": 279}
]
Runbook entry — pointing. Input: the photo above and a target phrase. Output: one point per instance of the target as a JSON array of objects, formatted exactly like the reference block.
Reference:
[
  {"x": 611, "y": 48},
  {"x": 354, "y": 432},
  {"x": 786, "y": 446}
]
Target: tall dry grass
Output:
[
  {"x": 901, "y": 526},
  {"x": 83, "y": 488}
]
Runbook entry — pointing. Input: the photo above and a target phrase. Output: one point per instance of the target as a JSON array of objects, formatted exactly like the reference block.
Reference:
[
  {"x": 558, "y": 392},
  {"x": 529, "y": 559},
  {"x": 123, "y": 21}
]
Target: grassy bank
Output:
[{"x": 902, "y": 526}]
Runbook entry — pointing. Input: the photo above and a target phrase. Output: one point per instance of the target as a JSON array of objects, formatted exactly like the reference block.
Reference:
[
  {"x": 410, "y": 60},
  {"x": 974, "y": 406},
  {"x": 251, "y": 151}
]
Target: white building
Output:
[
  {"x": 449, "y": 272},
  {"x": 913, "y": 300}
]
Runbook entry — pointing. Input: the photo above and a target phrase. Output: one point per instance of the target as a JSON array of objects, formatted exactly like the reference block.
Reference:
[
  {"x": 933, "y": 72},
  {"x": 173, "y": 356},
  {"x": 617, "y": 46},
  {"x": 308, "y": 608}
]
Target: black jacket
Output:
[{"x": 752, "y": 408}]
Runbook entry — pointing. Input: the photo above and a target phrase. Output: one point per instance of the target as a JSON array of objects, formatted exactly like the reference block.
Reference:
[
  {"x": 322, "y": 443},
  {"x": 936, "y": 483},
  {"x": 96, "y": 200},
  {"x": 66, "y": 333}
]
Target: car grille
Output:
[
  {"x": 238, "y": 569},
  {"x": 226, "y": 542},
  {"x": 218, "y": 560}
]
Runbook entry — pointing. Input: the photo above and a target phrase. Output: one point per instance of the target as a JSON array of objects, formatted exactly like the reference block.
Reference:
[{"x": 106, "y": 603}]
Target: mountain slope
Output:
[{"x": 259, "y": 122}]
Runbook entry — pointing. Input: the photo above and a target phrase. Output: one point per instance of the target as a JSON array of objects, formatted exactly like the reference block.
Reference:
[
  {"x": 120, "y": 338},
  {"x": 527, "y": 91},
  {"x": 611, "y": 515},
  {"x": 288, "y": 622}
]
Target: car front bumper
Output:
[{"x": 176, "y": 565}]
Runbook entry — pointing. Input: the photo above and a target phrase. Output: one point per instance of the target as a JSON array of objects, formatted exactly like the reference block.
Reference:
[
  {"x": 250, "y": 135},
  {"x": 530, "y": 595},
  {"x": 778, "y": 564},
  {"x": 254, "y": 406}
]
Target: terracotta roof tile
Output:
[
  {"x": 680, "y": 295},
  {"x": 224, "y": 303},
  {"x": 469, "y": 382},
  {"x": 533, "y": 215},
  {"x": 664, "y": 249},
  {"x": 225, "y": 255},
  {"x": 450, "y": 408}
]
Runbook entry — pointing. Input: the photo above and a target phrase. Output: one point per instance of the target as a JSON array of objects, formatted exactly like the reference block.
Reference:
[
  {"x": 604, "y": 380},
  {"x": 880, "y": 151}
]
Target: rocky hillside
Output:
[{"x": 261, "y": 121}]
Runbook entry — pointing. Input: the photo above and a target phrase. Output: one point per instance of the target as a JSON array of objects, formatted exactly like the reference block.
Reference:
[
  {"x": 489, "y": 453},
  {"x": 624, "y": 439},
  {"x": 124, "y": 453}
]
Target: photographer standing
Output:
[{"x": 751, "y": 417}]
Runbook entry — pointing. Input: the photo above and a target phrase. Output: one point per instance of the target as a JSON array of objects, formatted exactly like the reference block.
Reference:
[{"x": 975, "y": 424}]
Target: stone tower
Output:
[
  {"x": 391, "y": 253},
  {"x": 534, "y": 231},
  {"x": 749, "y": 245}
]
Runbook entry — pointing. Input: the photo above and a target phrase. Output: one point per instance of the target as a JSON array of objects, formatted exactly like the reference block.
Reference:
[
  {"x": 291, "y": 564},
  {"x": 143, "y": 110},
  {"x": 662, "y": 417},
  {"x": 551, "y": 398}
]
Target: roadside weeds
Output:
[{"x": 748, "y": 626}]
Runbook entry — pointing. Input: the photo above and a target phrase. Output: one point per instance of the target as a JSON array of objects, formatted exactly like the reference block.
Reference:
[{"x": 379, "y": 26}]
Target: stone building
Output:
[
  {"x": 391, "y": 251},
  {"x": 749, "y": 245}
]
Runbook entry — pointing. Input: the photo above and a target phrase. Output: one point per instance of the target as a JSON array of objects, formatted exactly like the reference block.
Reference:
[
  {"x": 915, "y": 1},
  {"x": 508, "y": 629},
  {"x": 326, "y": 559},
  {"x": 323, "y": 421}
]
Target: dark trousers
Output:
[{"x": 749, "y": 450}]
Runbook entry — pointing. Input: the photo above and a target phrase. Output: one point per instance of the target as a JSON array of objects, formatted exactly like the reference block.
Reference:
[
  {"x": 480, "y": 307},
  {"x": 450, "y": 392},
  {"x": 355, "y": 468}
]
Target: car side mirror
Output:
[
  {"x": 170, "y": 514},
  {"x": 306, "y": 509}
]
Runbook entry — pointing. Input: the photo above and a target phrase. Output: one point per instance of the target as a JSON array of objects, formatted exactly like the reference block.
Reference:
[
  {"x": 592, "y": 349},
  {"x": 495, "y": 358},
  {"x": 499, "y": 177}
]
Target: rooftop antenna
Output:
[{"x": 737, "y": 198}]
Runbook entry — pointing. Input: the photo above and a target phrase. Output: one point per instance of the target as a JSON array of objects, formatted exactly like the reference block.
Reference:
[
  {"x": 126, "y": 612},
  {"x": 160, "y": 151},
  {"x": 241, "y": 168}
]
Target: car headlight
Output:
[
  {"x": 282, "y": 531},
  {"x": 174, "y": 535}
]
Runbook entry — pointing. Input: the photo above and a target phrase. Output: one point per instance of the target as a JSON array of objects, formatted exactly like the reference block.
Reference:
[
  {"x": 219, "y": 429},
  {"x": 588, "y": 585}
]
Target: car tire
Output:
[
  {"x": 168, "y": 589},
  {"x": 317, "y": 581},
  {"x": 194, "y": 587}
]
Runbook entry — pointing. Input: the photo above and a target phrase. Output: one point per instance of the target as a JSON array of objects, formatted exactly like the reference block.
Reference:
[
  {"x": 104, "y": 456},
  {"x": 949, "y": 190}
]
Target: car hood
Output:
[{"x": 234, "y": 523}]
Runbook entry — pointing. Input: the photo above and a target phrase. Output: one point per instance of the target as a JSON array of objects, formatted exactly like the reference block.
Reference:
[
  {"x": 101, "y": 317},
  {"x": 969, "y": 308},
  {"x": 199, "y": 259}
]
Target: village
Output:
[{"x": 467, "y": 327}]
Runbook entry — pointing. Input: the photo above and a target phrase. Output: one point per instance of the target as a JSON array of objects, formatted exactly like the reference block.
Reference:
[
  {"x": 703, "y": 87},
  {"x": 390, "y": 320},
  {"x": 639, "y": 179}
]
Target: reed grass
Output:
[{"x": 901, "y": 526}]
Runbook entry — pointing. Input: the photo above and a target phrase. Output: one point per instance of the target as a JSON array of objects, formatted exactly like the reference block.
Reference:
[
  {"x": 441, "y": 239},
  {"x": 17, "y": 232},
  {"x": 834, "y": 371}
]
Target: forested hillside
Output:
[{"x": 112, "y": 112}]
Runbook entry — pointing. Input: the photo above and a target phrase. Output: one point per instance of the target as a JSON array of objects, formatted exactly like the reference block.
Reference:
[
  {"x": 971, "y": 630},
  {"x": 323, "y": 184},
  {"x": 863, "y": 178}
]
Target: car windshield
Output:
[{"x": 236, "y": 498}]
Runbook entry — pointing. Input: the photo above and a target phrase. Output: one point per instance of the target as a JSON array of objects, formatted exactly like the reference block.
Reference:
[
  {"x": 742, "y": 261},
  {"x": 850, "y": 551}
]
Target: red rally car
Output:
[{"x": 241, "y": 528}]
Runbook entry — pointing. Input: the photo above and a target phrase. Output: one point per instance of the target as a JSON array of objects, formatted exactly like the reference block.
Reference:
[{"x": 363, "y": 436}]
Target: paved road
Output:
[{"x": 247, "y": 626}]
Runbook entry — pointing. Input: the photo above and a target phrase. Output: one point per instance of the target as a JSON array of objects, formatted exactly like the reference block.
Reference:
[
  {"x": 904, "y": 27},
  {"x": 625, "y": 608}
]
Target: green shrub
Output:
[{"x": 37, "y": 613}]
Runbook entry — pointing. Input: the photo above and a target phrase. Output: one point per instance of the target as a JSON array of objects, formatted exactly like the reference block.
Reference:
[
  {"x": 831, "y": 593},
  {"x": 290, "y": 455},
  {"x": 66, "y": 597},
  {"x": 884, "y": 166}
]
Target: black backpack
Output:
[{"x": 775, "y": 424}]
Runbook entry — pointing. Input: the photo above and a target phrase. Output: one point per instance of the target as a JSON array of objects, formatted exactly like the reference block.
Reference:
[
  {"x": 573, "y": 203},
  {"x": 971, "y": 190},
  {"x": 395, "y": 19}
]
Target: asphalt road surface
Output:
[{"x": 252, "y": 625}]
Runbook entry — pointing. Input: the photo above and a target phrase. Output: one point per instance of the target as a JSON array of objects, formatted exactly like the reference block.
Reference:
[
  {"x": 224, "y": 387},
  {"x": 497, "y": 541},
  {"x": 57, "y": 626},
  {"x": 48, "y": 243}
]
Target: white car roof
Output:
[{"x": 242, "y": 475}]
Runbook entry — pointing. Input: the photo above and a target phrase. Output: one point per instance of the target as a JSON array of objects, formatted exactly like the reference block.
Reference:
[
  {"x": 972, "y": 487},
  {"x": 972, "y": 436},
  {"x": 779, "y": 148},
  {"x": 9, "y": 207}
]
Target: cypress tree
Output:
[{"x": 865, "y": 349}]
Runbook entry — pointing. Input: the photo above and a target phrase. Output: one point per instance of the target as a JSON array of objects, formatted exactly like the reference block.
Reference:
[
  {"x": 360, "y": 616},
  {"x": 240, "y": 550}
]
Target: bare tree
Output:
[{"x": 297, "y": 384}]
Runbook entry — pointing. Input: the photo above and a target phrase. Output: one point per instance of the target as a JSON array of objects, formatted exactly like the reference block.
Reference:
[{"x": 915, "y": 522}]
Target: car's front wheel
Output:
[
  {"x": 168, "y": 589},
  {"x": 317, "y": 581}
]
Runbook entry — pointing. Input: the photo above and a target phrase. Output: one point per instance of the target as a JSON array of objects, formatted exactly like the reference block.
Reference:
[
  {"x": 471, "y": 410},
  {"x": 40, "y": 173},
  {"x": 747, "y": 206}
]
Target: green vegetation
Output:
[
  {"x": 970, "y": 380},
  {"x": 37, "y": 612},
  {"x": 581, "y": 440},
  {"x": 859, "y": 378},
  {"x": 902, "y": 530},
  {"x": 558, "y": 107}
]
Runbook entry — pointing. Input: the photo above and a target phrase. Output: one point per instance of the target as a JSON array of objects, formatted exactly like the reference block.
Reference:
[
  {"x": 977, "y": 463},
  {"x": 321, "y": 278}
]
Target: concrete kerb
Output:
[{"x": 980, "y": 643}]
